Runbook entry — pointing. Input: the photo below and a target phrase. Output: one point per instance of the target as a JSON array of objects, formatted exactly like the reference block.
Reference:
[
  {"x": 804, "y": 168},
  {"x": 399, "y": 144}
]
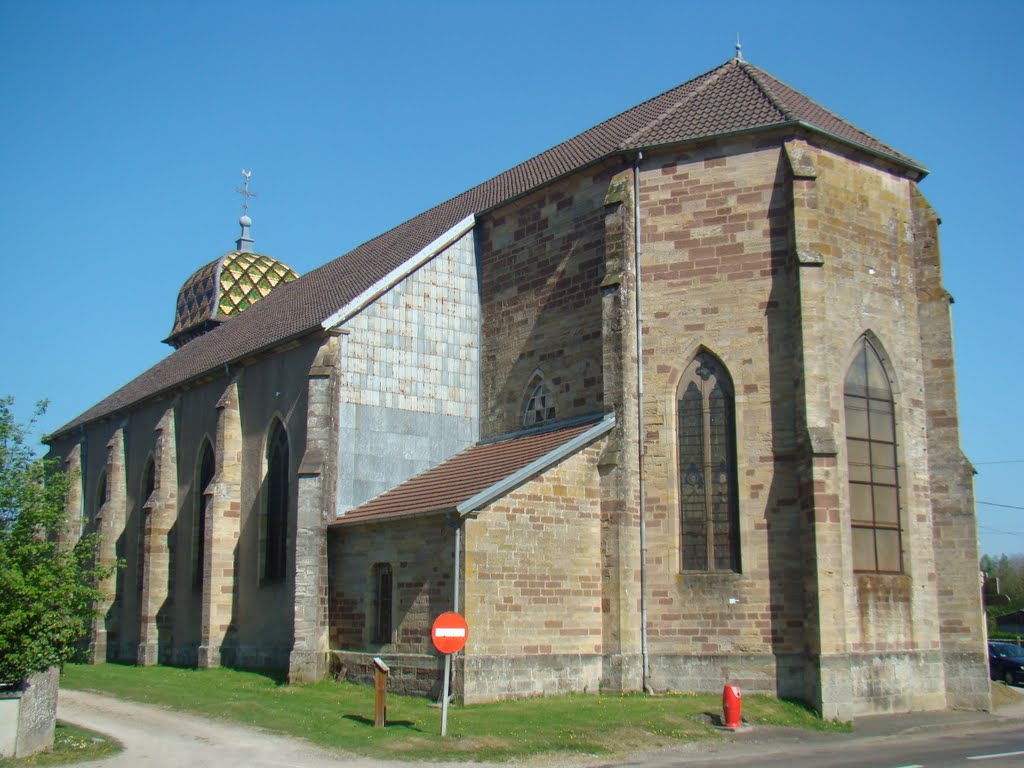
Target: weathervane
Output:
[
  {"x": 245, "y": 193},
  {"x": 739, "y": 53}
]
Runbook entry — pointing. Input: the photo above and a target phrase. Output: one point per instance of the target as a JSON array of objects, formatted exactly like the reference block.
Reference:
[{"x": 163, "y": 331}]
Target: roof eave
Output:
[
  {"x": 906, "y": 162},
  {"x": 341, "y": 522},
  {"x": 72, "y": 426},
  {"x": 535, "y": 467},
  {"x": 767, "y": 128},
  {"x": 399, "y": 273}
]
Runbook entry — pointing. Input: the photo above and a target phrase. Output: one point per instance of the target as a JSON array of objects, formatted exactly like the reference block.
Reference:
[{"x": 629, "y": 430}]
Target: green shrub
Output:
[{"x": 47, "y": 590}]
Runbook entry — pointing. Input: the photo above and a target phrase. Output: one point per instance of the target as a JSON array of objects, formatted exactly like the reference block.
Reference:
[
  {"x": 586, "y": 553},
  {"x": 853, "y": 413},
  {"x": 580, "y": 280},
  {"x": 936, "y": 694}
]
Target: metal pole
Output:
[
  {"x": 444, "y": 694},
  {"x": 458, "y": 564}
]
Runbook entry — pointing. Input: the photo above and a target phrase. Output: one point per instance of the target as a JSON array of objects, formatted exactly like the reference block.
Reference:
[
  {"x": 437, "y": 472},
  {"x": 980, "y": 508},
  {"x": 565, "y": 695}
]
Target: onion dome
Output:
[{"x": 223, "y": 288}]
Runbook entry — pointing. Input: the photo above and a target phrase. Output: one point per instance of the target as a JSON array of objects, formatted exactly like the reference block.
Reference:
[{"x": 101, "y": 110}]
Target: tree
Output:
[
  {"x": 1009, "y": 570},
  {"x": 47, "y": 590}
]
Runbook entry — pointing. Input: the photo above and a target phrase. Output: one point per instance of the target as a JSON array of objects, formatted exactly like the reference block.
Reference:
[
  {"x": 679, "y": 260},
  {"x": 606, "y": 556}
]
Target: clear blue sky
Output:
[{"x": 125, "y": 125}]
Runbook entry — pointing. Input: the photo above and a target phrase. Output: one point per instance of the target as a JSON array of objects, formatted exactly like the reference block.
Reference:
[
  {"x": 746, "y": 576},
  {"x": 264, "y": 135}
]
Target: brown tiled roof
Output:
[
  {"x": 466, "y": 474},
  {"x": 735, "y": 96}
]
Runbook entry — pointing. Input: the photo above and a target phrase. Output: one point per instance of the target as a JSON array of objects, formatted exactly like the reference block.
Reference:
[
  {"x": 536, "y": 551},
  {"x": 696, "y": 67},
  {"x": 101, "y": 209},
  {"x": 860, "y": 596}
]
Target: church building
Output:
[{"x": 670, "y": 405}]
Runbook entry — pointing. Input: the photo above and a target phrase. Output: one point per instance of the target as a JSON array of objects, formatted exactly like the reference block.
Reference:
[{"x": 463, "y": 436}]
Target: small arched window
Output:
[
  {"x": 276, "y": 525},
  {"x": 871, "y": 462},
  {"x": 201, "y": 508},
  {"x": 540, "y": 403},
  {"x": 383, "y": 587},
  {"x": 708, "y": 496}
]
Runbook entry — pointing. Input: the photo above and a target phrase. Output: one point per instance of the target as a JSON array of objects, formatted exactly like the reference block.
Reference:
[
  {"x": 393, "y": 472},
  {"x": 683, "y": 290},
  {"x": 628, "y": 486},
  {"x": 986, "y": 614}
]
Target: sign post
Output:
[{"x": 449, "y": 634}]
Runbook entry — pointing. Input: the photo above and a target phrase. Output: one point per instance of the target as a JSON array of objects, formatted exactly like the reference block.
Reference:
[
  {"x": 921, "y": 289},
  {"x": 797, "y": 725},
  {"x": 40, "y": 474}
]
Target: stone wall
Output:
[
  {"x": 541, "y": 266},
  {"x": 533, "y": 591},
  {"x": 409, "y": 381},
  {"x": 777, "y": 259},
  {"x": 858, "y": 276},
  {"x": 715, "y": 277},
  {"x": 249, "y": 620},
  {"x": 421, "y": 553}
]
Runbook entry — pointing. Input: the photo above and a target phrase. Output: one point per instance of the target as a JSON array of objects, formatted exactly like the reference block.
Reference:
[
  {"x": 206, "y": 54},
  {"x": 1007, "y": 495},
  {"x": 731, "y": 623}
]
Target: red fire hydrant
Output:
[{"x": 732, "y": 706}]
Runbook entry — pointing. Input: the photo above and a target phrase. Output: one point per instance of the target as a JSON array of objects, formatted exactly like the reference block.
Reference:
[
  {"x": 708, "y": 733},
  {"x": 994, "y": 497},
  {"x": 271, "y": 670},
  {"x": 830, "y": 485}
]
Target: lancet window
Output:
[
  {"x": 871, "y": 454},
  {"x": 708, "y": 496}
]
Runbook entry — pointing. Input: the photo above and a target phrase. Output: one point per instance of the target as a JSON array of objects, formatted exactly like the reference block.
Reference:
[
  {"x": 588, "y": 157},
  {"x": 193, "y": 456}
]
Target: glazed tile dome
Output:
[{"x": 223, "y": 288}]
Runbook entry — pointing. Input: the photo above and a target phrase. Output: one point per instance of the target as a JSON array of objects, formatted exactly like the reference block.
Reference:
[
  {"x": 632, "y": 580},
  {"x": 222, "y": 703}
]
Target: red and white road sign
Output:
[{"x": 449, "y": 633}]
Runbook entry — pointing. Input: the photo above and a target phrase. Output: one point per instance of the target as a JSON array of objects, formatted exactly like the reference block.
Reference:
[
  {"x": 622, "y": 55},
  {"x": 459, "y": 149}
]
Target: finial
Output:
[
  {"x": 244, "y": 192},
  {"x": 739, "y": 48},
  {"x": 244, "y": 243}
]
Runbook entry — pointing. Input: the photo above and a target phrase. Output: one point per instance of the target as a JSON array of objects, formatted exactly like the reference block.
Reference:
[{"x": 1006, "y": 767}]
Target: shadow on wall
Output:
[{"x": 787, "y": 544}]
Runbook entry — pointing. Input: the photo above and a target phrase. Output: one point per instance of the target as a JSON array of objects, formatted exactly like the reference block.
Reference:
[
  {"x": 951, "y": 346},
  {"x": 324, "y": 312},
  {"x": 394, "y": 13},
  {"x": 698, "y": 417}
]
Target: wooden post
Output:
[{"x": 380, "y": 698}]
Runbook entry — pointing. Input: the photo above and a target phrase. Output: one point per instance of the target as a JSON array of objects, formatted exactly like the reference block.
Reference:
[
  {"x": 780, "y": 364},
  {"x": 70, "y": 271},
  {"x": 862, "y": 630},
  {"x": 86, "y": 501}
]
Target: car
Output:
[{"x": 1006, "y": 663}]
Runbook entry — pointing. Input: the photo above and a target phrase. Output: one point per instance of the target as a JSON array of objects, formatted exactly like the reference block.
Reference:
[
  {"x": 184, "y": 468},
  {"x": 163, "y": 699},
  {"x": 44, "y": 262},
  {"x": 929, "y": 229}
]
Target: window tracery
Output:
[{"x": 708, "y": 496}]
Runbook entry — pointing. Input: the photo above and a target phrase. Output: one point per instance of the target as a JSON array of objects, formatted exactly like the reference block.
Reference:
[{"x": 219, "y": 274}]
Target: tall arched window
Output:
[
  {"x": 708, "y": 496},
  {"x": 383, "y": 585},
  {"x": 101, "y": 493},
  {"x": 148, "y": 486},
  {"x": 871, "y": 460},
  {"x": 276, "y": 530},
  {"x": 204, "y": 498}
]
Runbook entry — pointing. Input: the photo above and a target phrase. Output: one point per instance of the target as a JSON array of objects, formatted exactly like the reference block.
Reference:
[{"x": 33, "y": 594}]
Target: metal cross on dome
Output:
[{"x": 245, "y": 193}]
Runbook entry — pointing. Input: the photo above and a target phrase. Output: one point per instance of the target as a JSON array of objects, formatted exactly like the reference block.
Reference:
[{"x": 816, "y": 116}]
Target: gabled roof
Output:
[
  {"x": 732, "y": 98},
  {"x": 472, "y": 479}
]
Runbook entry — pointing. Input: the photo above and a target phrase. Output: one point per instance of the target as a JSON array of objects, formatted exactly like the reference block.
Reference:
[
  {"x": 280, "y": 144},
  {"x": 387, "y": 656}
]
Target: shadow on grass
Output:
[
  {"x": 711, "y": 718},
  {"x": 278, "y": 677},
  {"x": 801, "y": 704},
  {"x": 408, "y": 725}
]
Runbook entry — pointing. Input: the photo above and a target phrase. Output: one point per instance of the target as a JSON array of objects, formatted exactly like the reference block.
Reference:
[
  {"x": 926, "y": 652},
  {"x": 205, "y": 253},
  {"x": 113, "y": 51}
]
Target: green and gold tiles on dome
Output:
[
  {"x": 245, "y": 278},
  {"x": 197, "y": 297}
]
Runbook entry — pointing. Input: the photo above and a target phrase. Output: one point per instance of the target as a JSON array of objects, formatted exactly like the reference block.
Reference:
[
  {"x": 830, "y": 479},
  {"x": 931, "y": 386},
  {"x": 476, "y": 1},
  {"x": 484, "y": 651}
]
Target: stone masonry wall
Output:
[
  {"x": 541, "y": 266},
  {"x": 715, "y": 249},
  {"x": 533, "y": 586},
  {"x": 260, "y": 634},
  {"x": 421, "y": 554},
  {"x": 858, "y": 228},
  {"x": 254, "y": 619},
  {"x": 409, "y": 381},
  {"x": 961, "y": 613}
]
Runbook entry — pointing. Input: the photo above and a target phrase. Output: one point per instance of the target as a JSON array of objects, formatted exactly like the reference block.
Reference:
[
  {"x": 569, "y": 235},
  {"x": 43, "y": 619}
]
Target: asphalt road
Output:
[{"x": 986, "y": 747}]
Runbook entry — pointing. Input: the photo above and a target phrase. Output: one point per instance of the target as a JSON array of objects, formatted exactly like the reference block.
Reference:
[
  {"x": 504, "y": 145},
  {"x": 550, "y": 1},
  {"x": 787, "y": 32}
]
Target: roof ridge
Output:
[
  {"x": 712, "y": 75},
  {"x": 754, "y": 74},
  {"x": 299, "y": 307}
]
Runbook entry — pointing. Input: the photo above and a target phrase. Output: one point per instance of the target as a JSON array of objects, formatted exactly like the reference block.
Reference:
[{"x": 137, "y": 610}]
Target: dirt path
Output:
[{"x": 154, "y": 737}]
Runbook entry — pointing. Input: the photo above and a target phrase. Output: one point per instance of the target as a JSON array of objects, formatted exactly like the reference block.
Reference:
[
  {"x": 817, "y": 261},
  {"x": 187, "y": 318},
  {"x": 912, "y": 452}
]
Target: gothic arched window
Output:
[
  {"x": 540, "y": 404},
  {"x": 708, "y": 496},
  {"x": 276, "y": 525},
  {"x": 148, "y": 486},
  {"x": 871, "y": 461},
  {"x": 201, "y": 507}
]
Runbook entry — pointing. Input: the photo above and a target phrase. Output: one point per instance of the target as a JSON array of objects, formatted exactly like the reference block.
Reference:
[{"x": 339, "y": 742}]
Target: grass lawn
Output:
[
  {"x": 340, "y": 715},
  {"x": 71, "y": 744}
]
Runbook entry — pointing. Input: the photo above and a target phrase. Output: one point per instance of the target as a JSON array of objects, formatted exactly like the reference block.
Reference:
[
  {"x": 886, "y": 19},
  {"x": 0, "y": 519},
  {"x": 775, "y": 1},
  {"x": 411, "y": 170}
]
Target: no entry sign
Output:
[{"x": 449, "y": 633}]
